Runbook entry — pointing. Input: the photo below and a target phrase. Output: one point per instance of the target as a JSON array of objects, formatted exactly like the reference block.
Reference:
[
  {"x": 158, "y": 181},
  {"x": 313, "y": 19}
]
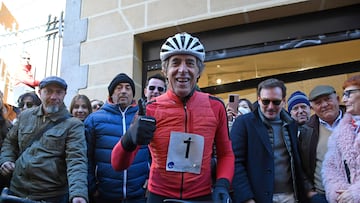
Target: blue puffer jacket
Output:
[{"x": 103, "y": 130}]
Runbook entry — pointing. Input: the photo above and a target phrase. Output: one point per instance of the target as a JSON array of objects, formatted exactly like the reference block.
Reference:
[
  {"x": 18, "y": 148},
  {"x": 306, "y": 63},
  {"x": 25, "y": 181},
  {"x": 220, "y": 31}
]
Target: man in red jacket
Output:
[{"x": 181, "y": 128}]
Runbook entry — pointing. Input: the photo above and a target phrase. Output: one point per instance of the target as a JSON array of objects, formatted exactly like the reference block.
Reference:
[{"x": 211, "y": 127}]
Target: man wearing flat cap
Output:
[
  {"x": 313, "y": 143},
  {"x": 104, "y": 128},
  {"x": 46, "y": 150}
]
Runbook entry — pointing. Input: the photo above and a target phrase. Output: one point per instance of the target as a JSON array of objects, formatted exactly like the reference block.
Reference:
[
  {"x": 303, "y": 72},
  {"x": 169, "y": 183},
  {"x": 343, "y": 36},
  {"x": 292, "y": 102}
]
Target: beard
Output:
[{"x": 52, "y": 109}]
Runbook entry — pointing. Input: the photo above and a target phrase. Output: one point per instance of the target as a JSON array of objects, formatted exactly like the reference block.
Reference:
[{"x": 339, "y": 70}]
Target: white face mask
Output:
[{"x": 243, "y": 110}]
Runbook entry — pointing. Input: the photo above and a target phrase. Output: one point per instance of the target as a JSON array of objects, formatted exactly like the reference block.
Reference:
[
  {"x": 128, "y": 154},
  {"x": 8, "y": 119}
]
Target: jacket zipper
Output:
[{"x": 182, "y": 173}]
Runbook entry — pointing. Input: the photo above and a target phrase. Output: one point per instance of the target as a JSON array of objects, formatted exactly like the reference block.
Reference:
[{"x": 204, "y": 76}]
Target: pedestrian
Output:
[
  {"x": 28, "y": 100},
  {"x": 46, "y": 150},
  {"x": 96, "y": 104},
  {"x": 181, "y": 127},
  {"x": 267, "y": 162},
  {"x": 244, "y": 106},
  {"x": 9, "y": 112},
  {"x": 340, "y": 170},
  {"x": 5, "y": 126},
  {"x": 104, "y": 128},
  {"x": 313, "y": 141},
  {"x": 155, "y": 86},
  {"x": 80, "y": 107},
  {"x": 299, "y": 107}
]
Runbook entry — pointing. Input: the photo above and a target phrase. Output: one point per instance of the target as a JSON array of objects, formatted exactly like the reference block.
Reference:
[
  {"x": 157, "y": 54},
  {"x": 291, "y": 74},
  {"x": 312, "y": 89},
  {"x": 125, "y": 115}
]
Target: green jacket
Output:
[{"x": 51, "y": 166}]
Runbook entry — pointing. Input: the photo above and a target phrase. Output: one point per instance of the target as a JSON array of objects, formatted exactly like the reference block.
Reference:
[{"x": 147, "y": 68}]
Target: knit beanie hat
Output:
[
  {"x": 121, "y": 78},
  {"x": 296, "y": 98}
]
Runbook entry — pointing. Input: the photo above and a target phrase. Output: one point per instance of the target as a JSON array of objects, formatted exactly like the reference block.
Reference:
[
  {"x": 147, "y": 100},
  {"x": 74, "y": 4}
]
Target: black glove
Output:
[
  {"x": 140, "y": 133},
  {"x": 221, "y": 191}
]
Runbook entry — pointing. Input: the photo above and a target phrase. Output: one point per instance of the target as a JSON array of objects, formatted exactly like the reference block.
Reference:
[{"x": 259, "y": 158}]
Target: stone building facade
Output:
[{"x": 104, "y": 38}]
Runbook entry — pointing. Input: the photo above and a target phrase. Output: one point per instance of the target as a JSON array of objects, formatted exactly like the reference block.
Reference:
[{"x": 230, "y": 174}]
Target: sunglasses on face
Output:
[
  {"x": 267, "y": 102},
  {"x": 160, "y": 89},
  {"x": 96, "y": 106},
  {"x": 27, "y": 104}
]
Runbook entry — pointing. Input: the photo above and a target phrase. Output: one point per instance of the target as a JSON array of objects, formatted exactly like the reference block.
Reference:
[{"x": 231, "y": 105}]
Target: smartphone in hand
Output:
[{"x": 234, "y": 102}]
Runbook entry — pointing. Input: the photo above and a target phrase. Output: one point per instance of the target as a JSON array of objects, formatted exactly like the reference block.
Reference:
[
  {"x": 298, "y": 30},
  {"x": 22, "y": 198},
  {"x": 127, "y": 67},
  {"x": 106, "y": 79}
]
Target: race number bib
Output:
[{"x": 185, "y": 152}]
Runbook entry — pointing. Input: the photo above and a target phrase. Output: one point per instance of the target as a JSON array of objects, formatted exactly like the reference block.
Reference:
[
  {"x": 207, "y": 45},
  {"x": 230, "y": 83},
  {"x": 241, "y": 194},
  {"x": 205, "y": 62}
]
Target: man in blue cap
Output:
[{"x": 46, "y": 150}]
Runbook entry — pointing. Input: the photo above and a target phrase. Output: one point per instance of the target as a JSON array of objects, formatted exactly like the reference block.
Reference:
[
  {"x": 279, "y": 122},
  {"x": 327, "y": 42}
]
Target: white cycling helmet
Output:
[{"x": 182, "y": 43}]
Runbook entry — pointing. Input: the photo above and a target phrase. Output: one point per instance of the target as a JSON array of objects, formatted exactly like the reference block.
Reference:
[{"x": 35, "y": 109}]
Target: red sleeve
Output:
[
  {"x": 225, "y": 156},
  {"x": 121, "y": 159}
]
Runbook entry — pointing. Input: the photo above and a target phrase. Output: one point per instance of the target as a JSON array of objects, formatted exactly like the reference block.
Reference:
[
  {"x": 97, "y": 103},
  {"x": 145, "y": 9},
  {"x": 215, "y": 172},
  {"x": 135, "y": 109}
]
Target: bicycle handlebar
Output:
[{"x": 6, "y": 198}]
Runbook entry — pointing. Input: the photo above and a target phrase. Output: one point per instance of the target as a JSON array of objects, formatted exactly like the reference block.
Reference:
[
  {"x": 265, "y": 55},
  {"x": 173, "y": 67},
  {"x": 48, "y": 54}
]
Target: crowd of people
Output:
[{"x": 180, "y": 143}]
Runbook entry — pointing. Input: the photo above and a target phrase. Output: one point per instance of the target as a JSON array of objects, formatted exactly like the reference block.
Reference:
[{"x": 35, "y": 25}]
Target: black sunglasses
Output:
[
  {"x": 160, "y": 89},
  {"x": 267, "y": 102},
  {"x": 96, "y": 106},
  {"x": 27, "y": 104}
]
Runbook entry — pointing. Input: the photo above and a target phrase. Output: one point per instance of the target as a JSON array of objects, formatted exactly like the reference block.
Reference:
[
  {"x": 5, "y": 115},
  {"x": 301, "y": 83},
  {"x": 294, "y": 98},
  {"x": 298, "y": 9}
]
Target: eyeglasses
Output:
[
  {"x": 27, "y": 104},
  {"x": 347, "y": 93},
  {"x": 160, "y": 89},
  {"x": 267, "y": 102}
]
